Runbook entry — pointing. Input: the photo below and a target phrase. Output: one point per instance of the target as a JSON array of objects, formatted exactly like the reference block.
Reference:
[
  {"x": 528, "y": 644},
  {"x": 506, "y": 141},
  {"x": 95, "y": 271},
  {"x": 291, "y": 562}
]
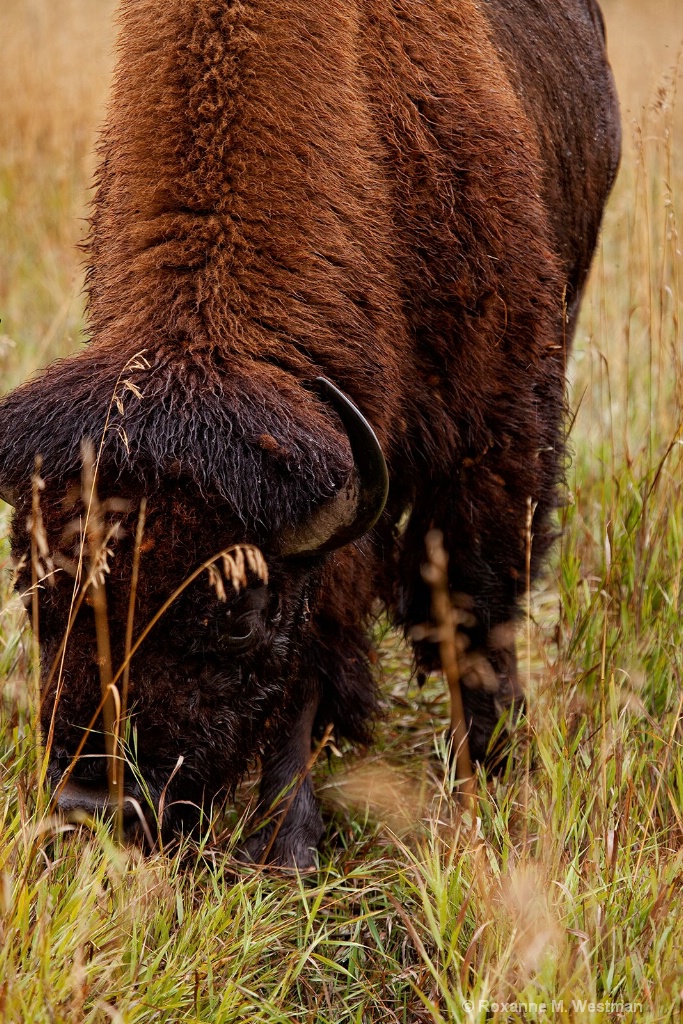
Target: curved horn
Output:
[{"x": 359, "y": 503}]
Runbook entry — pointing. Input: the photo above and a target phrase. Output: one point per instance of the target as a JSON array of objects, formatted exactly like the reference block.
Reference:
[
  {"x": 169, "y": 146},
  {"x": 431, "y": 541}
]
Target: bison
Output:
[{"x": 329, "y": 243}]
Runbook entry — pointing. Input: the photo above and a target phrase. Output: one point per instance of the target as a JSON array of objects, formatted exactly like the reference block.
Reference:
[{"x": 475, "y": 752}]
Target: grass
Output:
[{"x": 566, "y": 889}]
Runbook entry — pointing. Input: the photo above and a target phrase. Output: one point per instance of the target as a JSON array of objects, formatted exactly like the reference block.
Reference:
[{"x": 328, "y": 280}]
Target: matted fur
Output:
[{"x": 402, "y": 196}]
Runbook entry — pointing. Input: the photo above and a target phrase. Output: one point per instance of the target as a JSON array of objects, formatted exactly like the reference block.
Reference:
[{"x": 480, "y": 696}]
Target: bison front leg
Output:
[
  {"x": 288, "y": 821},
  {"x": 491, "y": 693},
  {"x": 496, "y": 521}
]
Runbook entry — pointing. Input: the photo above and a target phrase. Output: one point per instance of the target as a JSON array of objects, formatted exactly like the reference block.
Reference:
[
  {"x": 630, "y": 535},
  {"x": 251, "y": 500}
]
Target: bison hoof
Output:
[
  {"x": 293, "y": 850},
  {"x": 490, "y": 740}
]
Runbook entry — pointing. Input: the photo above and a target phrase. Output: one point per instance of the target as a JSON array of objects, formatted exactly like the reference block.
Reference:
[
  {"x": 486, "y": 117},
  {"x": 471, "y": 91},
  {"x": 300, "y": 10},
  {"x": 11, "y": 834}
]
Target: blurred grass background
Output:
[
  {"x": 569, "y": 887},
  {"x": 53, "y": 85}
]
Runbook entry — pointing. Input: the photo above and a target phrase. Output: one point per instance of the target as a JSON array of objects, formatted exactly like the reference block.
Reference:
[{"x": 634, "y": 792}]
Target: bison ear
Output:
[
  {"x": 6, "y": 494},
  {"x": 359, "y": 502}
]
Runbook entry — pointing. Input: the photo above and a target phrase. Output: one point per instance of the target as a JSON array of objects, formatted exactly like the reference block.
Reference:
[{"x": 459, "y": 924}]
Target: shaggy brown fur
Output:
[{"x": 401, "y": 195}]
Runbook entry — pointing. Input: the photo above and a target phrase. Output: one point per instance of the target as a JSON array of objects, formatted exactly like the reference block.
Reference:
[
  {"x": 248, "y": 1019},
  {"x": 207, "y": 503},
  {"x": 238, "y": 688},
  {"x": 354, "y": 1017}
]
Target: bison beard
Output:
[{"x": 402, "y": 197}]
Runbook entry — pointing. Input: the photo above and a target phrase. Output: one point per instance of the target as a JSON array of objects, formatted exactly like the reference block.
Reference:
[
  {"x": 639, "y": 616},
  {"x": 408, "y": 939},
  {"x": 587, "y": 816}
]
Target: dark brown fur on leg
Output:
[
  {"x": 482, "y": 512},
  {"x": 287, "y": 804},
  {"x": 488, "y": 697}
]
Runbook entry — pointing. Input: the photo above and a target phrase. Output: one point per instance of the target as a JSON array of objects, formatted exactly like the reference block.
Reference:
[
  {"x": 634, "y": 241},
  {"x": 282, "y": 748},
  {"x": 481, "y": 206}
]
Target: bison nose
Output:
[{"x": 93, "y": 799}]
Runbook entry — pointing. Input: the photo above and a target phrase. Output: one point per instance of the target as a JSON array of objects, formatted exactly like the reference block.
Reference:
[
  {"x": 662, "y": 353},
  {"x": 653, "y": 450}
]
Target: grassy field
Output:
[{"x": 566, "y": 890}]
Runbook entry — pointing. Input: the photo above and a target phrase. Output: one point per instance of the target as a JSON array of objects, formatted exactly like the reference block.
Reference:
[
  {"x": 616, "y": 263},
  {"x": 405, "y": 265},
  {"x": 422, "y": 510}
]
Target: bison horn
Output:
[{"x": 359, "y": 503}]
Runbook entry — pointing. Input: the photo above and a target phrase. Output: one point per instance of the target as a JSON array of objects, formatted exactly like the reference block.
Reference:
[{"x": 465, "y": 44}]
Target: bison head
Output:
[{"x": 189, "y": 460}]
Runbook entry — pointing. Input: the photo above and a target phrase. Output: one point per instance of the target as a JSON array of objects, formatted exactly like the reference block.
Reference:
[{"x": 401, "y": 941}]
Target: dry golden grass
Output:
[{"x": 53, "y": 84}]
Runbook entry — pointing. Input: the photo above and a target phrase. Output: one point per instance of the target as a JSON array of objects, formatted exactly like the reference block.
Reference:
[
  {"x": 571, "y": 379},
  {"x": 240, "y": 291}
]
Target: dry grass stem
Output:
[
  {"x": 125, "y": 683},
  {"x": 435, "y": 573},
  {"x": 98, "y": 554}
]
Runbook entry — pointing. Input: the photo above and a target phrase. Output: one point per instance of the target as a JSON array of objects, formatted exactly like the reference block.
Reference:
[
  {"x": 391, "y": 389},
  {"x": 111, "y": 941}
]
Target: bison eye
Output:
[
  {"x": 243, "y": 632},
  {"x": 236, "y": 643}
]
